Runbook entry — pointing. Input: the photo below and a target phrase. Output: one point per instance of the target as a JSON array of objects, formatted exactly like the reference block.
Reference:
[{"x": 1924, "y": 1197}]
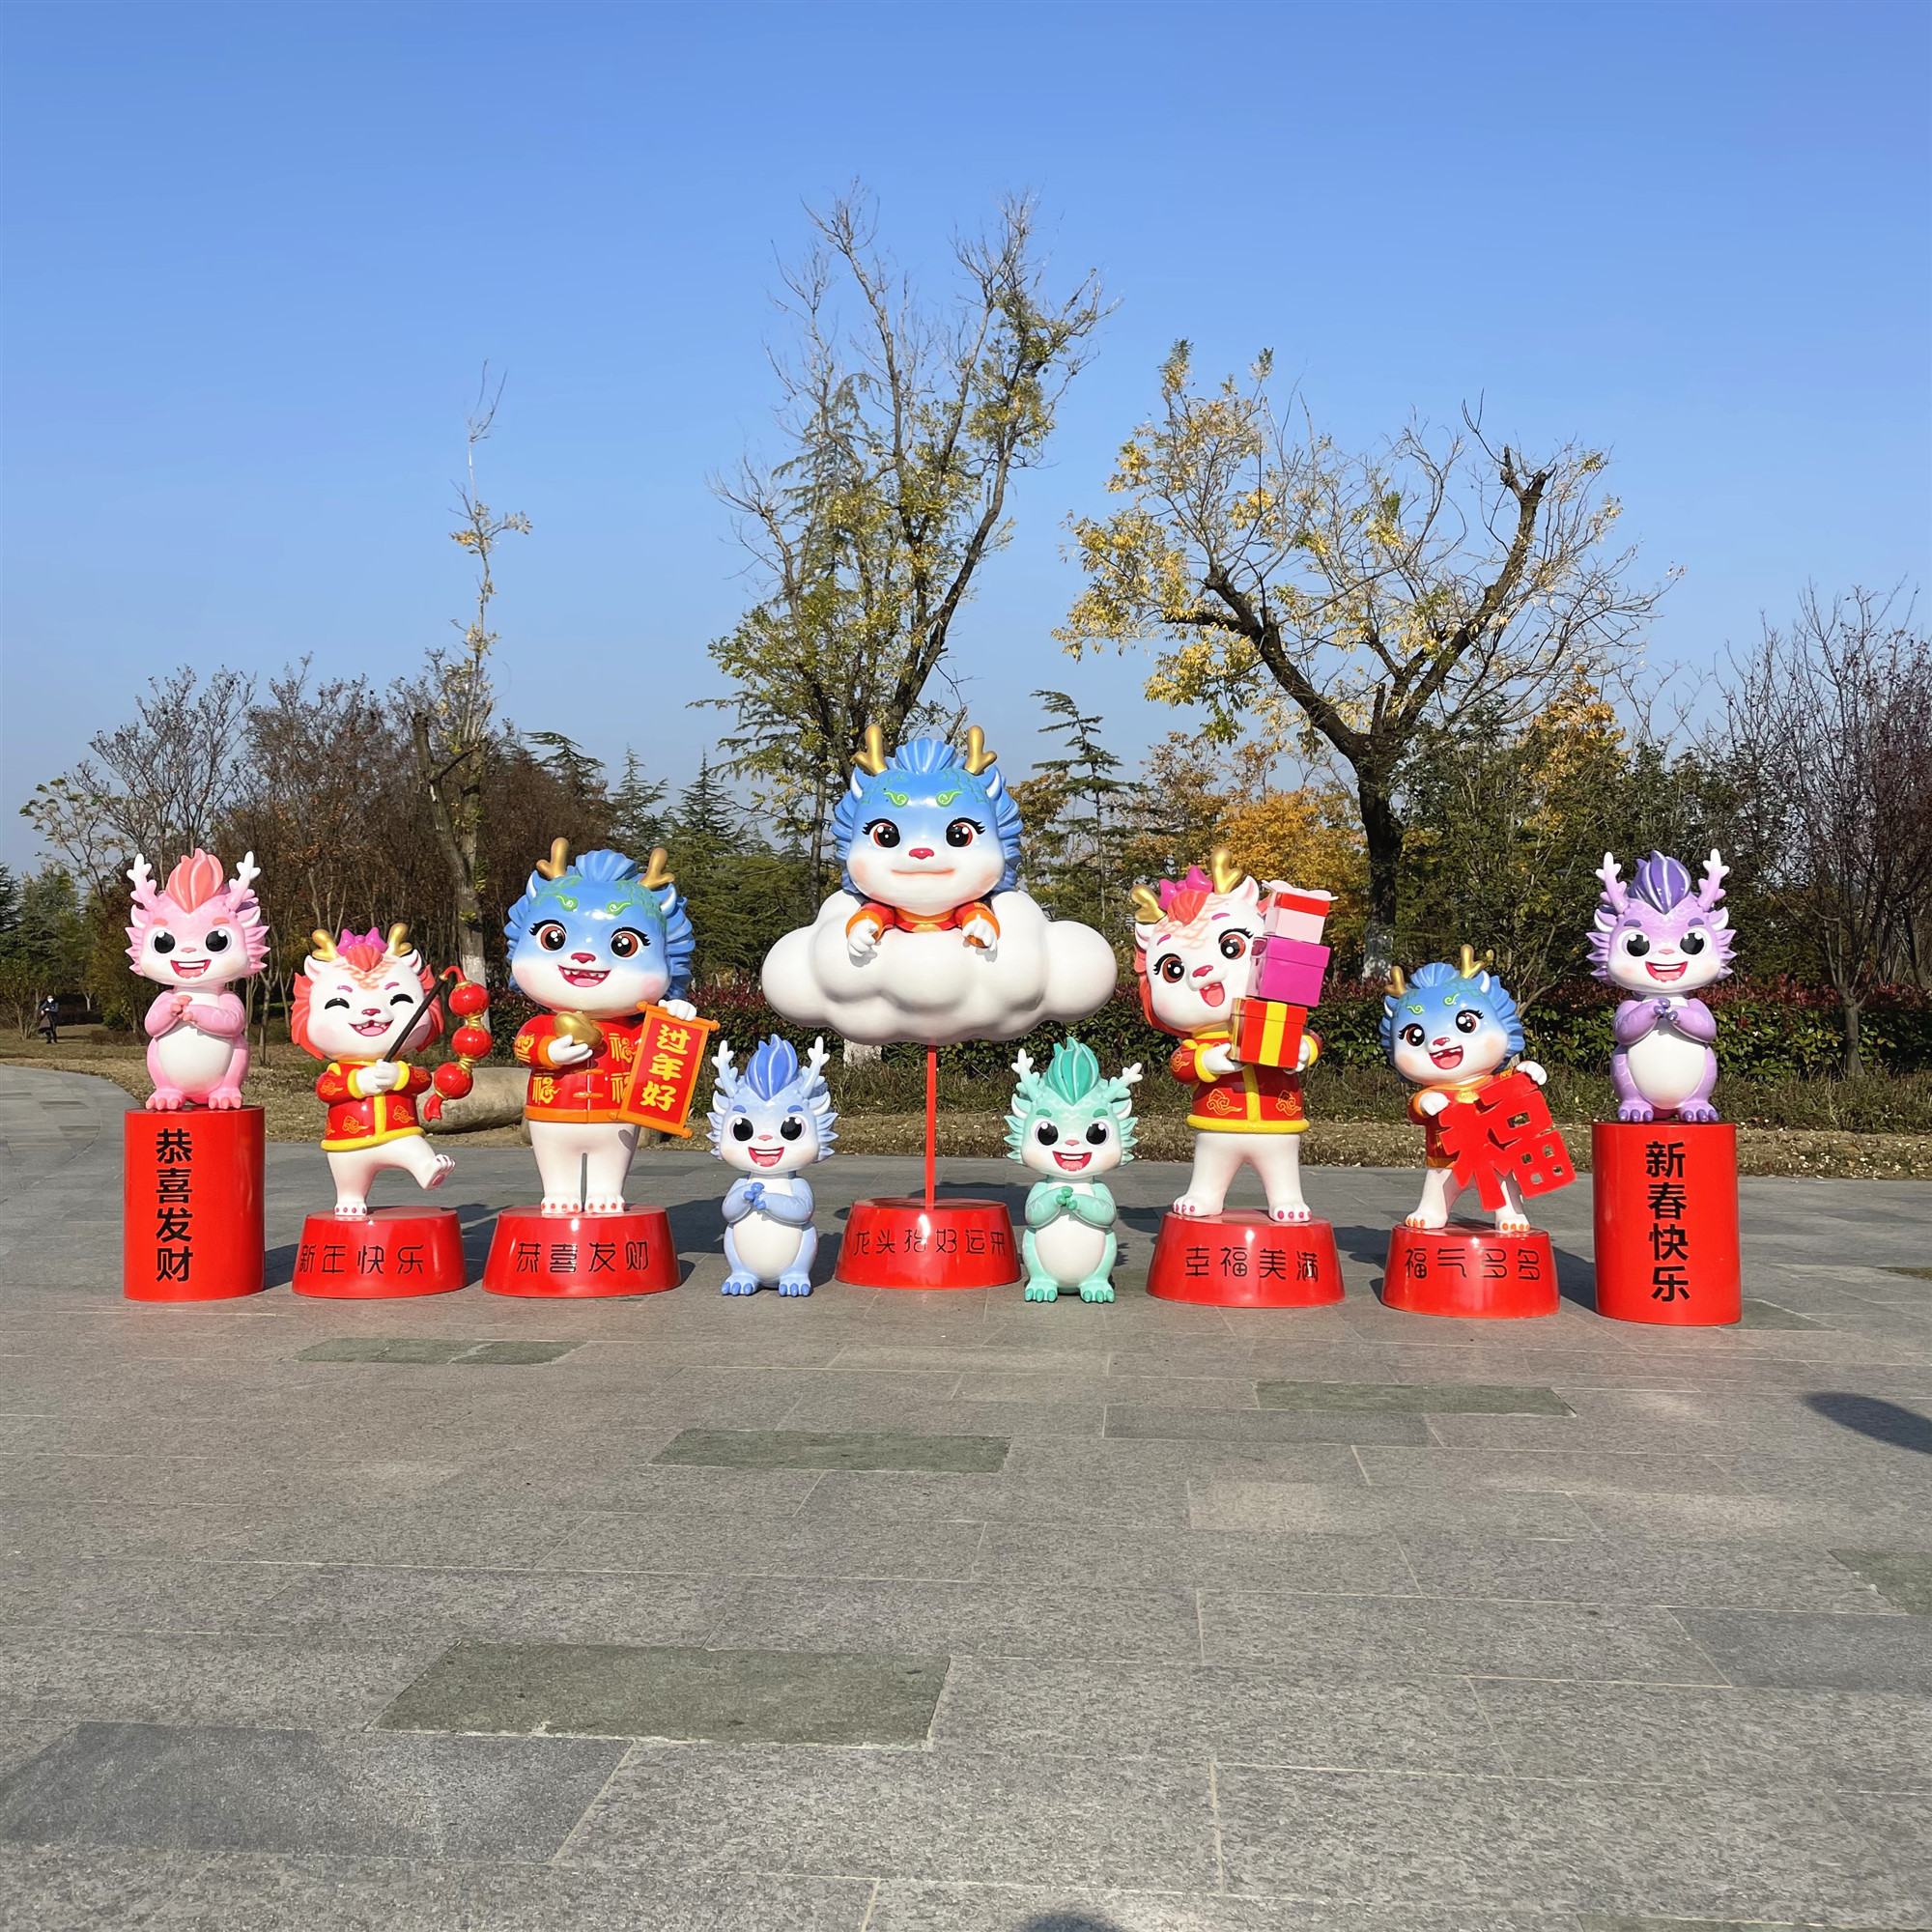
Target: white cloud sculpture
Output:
[{"x": 932, "y": 988}]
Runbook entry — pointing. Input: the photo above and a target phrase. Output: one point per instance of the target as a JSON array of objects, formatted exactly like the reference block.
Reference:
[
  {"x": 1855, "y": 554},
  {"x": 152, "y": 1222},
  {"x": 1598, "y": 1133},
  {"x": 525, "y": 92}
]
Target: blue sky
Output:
[{"x": 254, "y": 257}]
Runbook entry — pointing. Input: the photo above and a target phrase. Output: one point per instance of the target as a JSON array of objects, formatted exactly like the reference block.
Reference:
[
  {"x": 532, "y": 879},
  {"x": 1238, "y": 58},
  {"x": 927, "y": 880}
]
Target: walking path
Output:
[{"x": 949, "y": 1612}]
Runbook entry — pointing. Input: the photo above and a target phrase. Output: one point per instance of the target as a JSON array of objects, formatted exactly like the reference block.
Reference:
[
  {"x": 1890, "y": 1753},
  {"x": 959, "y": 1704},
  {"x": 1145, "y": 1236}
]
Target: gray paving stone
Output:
[
  {"x": 1071, "y": 1554},
  {"x": 511, "y": 1355},
  {"x": 903, "y": 1906},
  {"x": 372, "y": 1793},
  {"x": 771, "y": 1549},
  {"x": 1257, "y": 1714},
  {"x": 136, "y": 1593},
  {"x": 1481, "y": 1843},
  {"x": 1419, "y": 1635},
  {"x": 1713, "y": 1739},
  {"x": 1415, "y": 1398},
  {"x": 1277, "y": 1508},
  {"x": 415, "y": 1350},
  {"x": 675, "y": 1692},
  {"x": 492, "y": 1539},
  {"x": 1738, "y": 1519},
  {"x": 805, "y": 1449},
  {"x": 1573, "y": 1474},
  {"x": 1817, "y": 1652},
  {"x": 1264, "y": 1425},
  {"x": 1903, "y": 1577},
  {"x": 1131, "y": 1504},
  {"x": 914, "y": 1814}
]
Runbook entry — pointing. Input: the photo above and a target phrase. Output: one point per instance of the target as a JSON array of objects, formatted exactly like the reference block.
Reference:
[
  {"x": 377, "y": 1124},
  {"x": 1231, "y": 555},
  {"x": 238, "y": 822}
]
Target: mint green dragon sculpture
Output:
[{"x": 1071, "y": 1126}]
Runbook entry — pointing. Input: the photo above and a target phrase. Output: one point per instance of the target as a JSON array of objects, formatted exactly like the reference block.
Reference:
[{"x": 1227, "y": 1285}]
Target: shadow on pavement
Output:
[{"x": 1871, "y": 1415}]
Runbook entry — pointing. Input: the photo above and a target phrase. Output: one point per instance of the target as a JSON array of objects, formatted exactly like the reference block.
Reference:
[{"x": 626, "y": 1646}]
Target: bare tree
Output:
[
  {"x": 1828, "y": 739},
  {"x": 453, "y": 706},
  {"x": 904, "y": 425},
  {"x": 1373, "y": 594}
]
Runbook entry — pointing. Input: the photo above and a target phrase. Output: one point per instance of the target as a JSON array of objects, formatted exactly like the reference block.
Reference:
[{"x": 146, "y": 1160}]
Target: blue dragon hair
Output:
[
  {"x": 921, "y": 787},
  {"x": 1073, "y": 1091},
  {"x": 1440, "y": 984},
  {"x": 606, "y": 887},
  {"x": 773, "y": 1082}
]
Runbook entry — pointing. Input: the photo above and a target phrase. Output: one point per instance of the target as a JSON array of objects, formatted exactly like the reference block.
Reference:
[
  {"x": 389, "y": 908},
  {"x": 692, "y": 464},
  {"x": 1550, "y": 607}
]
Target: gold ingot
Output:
[{"x": 583, "y": 1027}]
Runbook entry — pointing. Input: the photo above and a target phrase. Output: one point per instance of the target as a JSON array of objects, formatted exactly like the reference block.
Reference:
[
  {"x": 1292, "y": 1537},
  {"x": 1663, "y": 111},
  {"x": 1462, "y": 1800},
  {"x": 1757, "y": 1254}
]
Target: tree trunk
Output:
[
  {"x": 1853, "y": 1064},
  {"x": 459, "y": 838},
  {"x": 1382, "y": 830}
]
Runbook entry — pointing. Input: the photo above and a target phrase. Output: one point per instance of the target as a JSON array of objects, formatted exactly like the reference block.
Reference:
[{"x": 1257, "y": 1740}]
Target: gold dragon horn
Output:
[
  {"x": 1148, "y": 903},
  {"x": 323, "y": 945},
  {"x": 873, "y": 757},
  {"x": 978, "y": 758},
  {"x": 657, "y": 873},
  {"x": 399, "y": 941},
  {"x": 1397, "y": 985},
  {"x": 1227, "y": 875},
  {"x": 559, "y": 862},
  {"x": 1467, "y": 968}
]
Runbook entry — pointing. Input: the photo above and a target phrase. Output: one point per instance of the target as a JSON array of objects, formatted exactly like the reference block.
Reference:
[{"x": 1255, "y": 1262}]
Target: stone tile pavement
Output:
[{"x": 873, "y": 1613}]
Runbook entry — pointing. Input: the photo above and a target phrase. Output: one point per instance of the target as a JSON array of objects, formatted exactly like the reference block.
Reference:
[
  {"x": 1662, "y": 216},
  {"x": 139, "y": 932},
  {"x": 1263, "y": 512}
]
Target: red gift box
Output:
[
  {"x": 1269, "y": 1032},
  {"x": 1293, "y": 912}
]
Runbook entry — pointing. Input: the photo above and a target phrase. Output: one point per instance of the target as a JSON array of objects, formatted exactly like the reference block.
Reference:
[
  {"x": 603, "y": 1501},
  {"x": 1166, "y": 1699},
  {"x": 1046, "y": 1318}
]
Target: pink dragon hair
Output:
[
  {"x": 195, "y": 898},
  {"x": 1661, "y": 901},
  {"x": 367, "y": 955},
  {"x": 1179, "y": 908}
]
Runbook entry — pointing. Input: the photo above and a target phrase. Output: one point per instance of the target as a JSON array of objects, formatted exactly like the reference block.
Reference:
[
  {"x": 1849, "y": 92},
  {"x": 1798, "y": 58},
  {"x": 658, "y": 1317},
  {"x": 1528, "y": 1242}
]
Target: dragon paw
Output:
[
  {"x": 166, "y": 1101},
  {"x": 444, "y": 1168},
  {"x": 1640, "y": 1111},
  {"x": 1097, "y": 1290},
  {"x": 1194, "y": 1206},
  {"x": 1696, "y": 1113},
  {"x": 1421, "y": 1220},
  {"x": 226, "y": 1099},
  {"x": 1295, "y": 1212},
  {"x": 1043, "y": 1290},
  {"x": 794, "y": 1284},
  {"x": 740, "y": 1283}
]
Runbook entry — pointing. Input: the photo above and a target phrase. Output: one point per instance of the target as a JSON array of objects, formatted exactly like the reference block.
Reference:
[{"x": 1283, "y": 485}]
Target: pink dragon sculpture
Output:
[
  {"x": 192, "y": 936},
  {"x": 1658, "y": 939}
]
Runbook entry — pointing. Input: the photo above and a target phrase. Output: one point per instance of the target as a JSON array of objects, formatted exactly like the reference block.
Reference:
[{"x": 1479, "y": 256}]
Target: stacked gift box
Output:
[{"x": 1289, "y": 962}]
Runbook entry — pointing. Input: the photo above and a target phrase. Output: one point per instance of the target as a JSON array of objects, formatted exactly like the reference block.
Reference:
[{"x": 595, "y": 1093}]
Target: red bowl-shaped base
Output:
[
  {"x": 1243, "y": 1260},
  {"x": 900, "y": 1242},
  {"x": 191, "y": 1204},
  {"x": 1666, "y": 1211},
  {"x": 382, "y": 1255},
  {"x": 1474, "y": 1272},
  {"x": 574, "y": 1257}
]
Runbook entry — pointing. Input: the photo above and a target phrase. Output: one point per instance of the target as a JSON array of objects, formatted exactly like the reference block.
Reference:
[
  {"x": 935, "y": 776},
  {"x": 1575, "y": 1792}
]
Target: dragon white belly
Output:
[
  {"x": 1069, "y": 1250},
  {"x": 194, "y": 1061},
  {"x": 1665, "y": 1067},
  {"x": 765, "y": 1246}
]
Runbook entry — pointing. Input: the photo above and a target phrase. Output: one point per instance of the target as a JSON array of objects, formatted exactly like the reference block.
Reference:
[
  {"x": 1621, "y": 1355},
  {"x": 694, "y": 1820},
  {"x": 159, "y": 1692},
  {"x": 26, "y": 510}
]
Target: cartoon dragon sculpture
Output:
[
  {"x": 1663, "y": 937},
  {"x": 594, "y": 940},
  {"x": 193, "y": 936},
  {"x": 768, "y": 1121},
  {"x": 1071, "y": 1125}
]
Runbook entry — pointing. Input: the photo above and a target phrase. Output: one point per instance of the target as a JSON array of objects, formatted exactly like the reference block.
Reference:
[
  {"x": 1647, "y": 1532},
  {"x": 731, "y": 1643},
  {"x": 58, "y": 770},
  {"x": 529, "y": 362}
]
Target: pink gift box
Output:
[
  {"x": 1294, "y": 912},
  {"x": 1289, "y": 970}
]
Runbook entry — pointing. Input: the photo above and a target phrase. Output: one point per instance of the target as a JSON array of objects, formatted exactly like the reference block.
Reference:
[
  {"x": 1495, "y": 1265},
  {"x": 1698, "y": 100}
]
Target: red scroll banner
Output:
[
  {"x": 664, "y": 1076},
  {"x": 1506, "y": 1129}
]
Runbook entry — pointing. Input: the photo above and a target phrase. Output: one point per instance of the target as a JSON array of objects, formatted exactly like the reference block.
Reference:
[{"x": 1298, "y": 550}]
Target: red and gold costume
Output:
[
  {"x": 884, "y": 918},
  {"x": 587, "y": 1089},
  {"x": 1433, "y": 1151},
  {"x": 359, "y": 1119},
  {"x": 1249, "y": 1100}
]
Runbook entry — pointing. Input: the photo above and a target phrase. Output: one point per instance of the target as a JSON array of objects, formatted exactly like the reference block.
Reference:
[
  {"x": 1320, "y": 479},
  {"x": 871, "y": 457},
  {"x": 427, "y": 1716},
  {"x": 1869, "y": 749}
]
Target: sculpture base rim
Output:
[
  {"x": 1472, "y": 1274},
  {"x": 581, "y": 1257},
  {"x": 1248, "y": 1266},
  {"x": 959, "y": 1241},
  {"x": 402, "y": 1252}
]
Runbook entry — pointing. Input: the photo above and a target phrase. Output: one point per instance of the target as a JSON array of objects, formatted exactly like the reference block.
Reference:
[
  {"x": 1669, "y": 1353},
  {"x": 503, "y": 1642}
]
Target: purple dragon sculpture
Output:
[{"x": 1660, "y": 938}]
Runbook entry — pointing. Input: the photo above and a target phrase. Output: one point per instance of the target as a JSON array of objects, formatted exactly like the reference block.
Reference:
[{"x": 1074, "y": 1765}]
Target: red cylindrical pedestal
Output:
[
  {"x": 573, "y": 1257},
  {"x": 1666, "y": 1197},
  {"x": 383, "y": 1255},
  {"x": 1243, "y": 1260},
  {"x": 191, "y": 1205},
  {"x": 900, "y": 1242},
  {"x": 1474, "y": 1272}
]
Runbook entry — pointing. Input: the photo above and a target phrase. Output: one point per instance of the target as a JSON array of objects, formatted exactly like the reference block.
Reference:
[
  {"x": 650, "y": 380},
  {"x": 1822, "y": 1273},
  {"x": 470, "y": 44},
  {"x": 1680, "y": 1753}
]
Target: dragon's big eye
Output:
[
  {"x": 1469, "y": 1020},
  {"x": 1046, "y": 1133},
  {"x": 401, "y": 1000},
  {"x": 790, "y": 1128},
  {"x": 1171, "y": 967},
  {"x": 1636, "y": 945},
  {"x": 1692, "y": 941},
  {"x": 960, "y": 831},
  {"x": 338, "y": 1001},
  {"x": 1098, "y": 1133},
  {"x": 883, "y": 832},
  {"x": 1411, "y": 1036},
  {"x": 740, "y": 1129},
  {"x": 165, "y": 942},
  {"x": 216, "y": 941},
  {"x": 552, "y": 937},
  {"x": 1234, "y": 944},
  {"x": 625, "y": 942}
]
